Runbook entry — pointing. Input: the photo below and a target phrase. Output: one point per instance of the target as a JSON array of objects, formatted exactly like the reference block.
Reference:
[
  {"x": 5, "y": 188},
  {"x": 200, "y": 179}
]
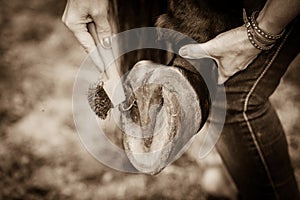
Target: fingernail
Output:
[{"x": 183, "y": 51}]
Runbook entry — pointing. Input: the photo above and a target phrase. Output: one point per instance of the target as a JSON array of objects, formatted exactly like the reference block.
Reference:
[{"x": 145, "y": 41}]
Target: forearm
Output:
[{"x": 277, "y": 14}]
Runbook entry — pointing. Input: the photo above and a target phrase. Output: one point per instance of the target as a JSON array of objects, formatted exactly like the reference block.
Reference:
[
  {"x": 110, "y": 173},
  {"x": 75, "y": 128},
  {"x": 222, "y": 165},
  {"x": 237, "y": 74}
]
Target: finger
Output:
[
  {"x": 92, "y": 30},
  {"x": 87, "y": 42},
  {"x": 76, "y": 19},
  {"x": 96, "y": 55},
  {"x": 100, "y": 18},
  {"x": 224, "y": 75},
  {"x": 108, "y": 58},
  {"x": 197, "y": 51},
  {"x": 106, "y": 51},
  {"x": 85, "y": 39},
  {"x": 193, "y": 51},
  {"x": 63, "y": 19},
  {"x": 104, "y": 40}
]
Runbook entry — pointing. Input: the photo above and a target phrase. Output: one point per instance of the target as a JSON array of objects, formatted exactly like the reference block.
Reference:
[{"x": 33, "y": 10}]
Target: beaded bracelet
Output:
[
  {"x": 259, "y": 38},
  {"x": 261, "y": 32}
]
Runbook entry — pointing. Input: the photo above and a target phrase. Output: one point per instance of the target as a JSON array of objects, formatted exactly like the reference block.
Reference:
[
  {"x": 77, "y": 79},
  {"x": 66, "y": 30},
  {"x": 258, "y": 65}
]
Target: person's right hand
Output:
[
  {"x": 88, "y": 20},
  {"x": 78, "y": 13}
]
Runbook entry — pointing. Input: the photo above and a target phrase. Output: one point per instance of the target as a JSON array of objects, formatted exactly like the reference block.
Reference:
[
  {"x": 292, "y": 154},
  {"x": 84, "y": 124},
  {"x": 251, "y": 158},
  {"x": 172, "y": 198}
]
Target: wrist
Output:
[
  {"x": 258, "y": 37},
  {"x": 266, "y": 24}
]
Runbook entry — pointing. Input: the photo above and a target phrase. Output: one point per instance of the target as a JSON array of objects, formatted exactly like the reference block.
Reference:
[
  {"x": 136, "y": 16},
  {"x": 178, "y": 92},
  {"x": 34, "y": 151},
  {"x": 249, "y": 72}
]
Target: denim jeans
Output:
[{"x": 253, "y": 145}]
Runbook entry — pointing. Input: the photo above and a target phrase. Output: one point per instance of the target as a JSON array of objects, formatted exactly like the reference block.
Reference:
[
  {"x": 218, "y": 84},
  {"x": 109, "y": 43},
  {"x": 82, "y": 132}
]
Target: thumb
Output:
[
  {"x": 198, "y": 51},
  {"x": 194, "y": 51}
]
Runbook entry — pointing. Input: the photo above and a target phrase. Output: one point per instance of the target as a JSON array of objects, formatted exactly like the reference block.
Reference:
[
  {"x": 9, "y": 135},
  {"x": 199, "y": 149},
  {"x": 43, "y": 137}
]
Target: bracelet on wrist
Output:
[
  {"x": 261, "y": 32},
  {"x": 259, "y": 38}
]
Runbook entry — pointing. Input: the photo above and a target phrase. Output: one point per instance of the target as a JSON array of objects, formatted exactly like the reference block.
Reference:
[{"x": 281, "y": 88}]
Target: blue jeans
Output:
[{"x": 253, "y": 145}]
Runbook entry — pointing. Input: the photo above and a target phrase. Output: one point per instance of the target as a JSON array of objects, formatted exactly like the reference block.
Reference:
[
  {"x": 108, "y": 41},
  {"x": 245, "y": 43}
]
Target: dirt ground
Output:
[{"x": 41, "y": 156}]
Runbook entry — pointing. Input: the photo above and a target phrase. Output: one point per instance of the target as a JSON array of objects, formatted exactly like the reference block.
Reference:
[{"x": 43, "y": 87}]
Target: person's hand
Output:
[
  {"x": 78, "y": 16},
  {"x": 88, "y": 20},
  {"x": 231, "y": 50},
  {"x": 78, "y": 13}
]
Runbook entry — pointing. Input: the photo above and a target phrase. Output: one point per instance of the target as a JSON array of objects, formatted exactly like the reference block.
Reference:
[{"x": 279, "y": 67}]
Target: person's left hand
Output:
[{"x": 231, "y": 50}]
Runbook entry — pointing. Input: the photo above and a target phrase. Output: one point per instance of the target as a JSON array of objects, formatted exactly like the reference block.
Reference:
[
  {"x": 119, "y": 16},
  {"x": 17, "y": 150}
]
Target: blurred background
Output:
[{"x": 41, "y": 156}]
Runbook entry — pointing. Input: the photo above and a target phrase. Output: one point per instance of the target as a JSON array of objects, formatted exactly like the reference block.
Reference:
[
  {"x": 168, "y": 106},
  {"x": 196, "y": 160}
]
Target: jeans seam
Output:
[{"x": 254, "y": 138}]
